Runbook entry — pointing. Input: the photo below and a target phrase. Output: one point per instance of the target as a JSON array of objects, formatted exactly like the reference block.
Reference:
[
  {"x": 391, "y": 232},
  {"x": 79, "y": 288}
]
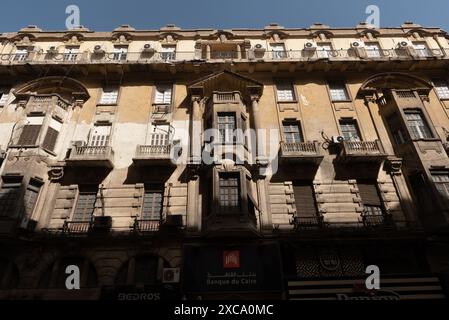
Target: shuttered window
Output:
[
  {"x": 9, "y": 195},
  {"x": 442, "y": 89},
  {"x": 85, "y": 204},
  {"x": 163, "y": 94},
  {"x": 4, "y": 96},
  {"x": 29, "y": 135},
  {"x": 30, "y": 197},
  {"x": 305, "y": 199},
  {"x": 371, "y": 200},
  {"x": 152, "y": 202},
  {"x": 338, "y": 91},
  {"x": 100, "y": 136},
  {"x": 442, "y": 184},
  {"x": 109, "y": 96},
  {"x": 50, "y": 139},
  {"x": 285, "y": 91}
]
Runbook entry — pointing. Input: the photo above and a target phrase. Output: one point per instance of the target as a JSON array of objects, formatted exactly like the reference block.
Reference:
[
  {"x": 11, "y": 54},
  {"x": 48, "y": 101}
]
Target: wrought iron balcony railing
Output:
[
  {"x": 39, "y": 57},
  {"x": 77, "y": 227},
  {"x": 146, "y": 225}
]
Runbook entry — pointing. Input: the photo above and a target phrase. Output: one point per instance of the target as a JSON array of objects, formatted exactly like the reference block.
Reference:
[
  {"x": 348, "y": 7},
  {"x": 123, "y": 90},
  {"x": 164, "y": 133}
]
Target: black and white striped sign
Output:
[{"x": 391, "y": 288}]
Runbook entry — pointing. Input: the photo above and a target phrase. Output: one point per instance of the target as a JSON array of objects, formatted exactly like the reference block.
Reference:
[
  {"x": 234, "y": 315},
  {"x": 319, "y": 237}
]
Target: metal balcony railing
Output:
[
  {"x": 146, "y": 225},
  {"x": 76, "y": 227},
  {"x": 350, "y": 54},
  {"x": 305, "y": 223}
]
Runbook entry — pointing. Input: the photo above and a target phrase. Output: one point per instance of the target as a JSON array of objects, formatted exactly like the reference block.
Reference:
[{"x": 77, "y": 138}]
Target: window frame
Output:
[
  {"x": 346, "y": 121},
  {"x": 229, "y": 210},
  {"x": 11, "y": 182},
  {"x": 424, "y": 119},
  {"x": 169, "y": 86},
  {"x": 348, "y": 97},
  {"x": 435, "y": 86},
  {"x": 153, "y": 189},
  {"x": 112, "y": 88},
  {"x": 291, "y": 122},
  {"x": 89, "y": 190},
  {"x": 285, "y": 83}
]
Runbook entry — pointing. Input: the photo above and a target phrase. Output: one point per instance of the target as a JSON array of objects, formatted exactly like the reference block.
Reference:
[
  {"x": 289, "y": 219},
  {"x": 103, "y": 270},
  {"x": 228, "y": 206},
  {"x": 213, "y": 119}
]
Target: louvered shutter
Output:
[
  {"x": 305, "y": 199},
  {"x": 29, "y": 135},
  {"x": 369, "y": 194},
  {"x": 50, "y": 139}
]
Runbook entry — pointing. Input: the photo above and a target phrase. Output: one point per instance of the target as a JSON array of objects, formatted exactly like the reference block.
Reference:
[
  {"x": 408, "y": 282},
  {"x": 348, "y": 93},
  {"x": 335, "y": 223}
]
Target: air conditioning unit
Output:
[
  {"x": 173, "y": 220},
  {"x": 310, "y": 45},
  {"x": 258, "y": 47},
  {"x": 405, "y": 44},
  {"x": 52, "y": 50},
  {"x": 147, "y": 48},
  {"x": 357, "y": 44},
  {"x": 98, "y": 49},
  {"x": 337, "y": 139},
  {"x": 171, "y": 275}
]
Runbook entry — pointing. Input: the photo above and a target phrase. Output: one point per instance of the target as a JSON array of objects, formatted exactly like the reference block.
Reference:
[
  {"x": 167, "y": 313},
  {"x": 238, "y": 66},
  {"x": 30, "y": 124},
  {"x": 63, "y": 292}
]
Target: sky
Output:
[{"x": 103, "y": 15}]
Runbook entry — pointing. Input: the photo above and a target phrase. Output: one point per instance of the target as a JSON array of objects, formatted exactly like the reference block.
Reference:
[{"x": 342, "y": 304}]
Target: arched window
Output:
[
  {"x": 55, "y": 276},
  {"x": 9, "y": 274},
  {"x": 141, "y": 270}
]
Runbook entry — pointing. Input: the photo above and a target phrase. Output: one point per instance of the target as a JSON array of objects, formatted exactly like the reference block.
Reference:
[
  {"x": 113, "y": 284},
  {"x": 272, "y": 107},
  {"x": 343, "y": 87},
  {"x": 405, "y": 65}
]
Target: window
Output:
[
  {"x": 292, "y": 132},
  {"x": 305, "y": 199},
  {"x": 120, "y": 53},
  {"x": 85, "y": 204},
  {"x": 52, "y": 135},
  {"x": 396, "y": 129},
  {"x": 229, "y": 192},
  {"x": 371, "y": 200},
  {"x": 350, "y": 130},
  {"x": 152, "y": 202},
  {"x": 324, "y": 50},
  {"x": 442, "y": 89},
  {"x": 338, "y": 91},
  {"x": 285, "y": 92},
  {"x": 100, "y": 136},
  {"x": 109, "y": 96},
  {"x": 163, "y": 94},
  {"x": 71, "y": 53},
  {"x": 417, "y": 125},
  {"x": 441, "y": 181},
  {"x": 4, "y": 96},
  {"x": 372, "y": 50},
  {"x": 226, "y": 127},
  {"x": 30, "y": 131},
  {"x": 421, "y": 49},
  {"x": 9, "y": 195},
  {"x": 278, "y": 51},
  {"x": 21, "y": 54},
  {"x": 30, "y": 197},
  {"x": 168, "y": 53}
]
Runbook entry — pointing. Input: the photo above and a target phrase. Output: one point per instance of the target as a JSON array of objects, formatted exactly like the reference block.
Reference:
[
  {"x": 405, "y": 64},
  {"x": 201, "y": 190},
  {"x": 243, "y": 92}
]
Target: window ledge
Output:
[
  {"x": 287, "y": 101},
  {"x": 342, "y": 101},
  {"x": 107, "y": 104}
]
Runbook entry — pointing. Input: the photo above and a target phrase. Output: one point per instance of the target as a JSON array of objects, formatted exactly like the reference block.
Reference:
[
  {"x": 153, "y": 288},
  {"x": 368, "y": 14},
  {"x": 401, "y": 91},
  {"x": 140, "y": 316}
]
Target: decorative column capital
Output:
[
  {"x": 196, "y": 98},
  {"x": 255, "y": 97},
  {"x": 55, "y": 173},
  {"x": 370, "y": 98}
]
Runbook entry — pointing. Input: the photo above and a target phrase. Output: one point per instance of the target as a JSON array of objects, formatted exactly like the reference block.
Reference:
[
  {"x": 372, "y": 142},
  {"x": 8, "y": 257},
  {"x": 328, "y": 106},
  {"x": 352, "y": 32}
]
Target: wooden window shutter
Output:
[
  {"x": 305, "y": 199},
  {"x": 29, "y": 135},
  {"x": 369, "y": 193},
  {"x": 50, "y": 139}
]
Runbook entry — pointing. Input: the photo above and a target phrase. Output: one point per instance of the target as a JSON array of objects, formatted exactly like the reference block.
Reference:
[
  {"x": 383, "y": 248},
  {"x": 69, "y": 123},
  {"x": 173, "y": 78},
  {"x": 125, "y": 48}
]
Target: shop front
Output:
[{"x": 232, "y": 271}]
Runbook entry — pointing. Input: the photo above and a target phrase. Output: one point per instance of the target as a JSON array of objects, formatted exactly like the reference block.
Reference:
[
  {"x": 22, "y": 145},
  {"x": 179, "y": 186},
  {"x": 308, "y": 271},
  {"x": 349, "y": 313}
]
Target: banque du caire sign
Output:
[{"x": 234, "y": 268}]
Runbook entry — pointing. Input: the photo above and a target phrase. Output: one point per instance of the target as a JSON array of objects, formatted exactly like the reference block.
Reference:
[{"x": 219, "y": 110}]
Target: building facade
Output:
[{"x": 208, "y": 164}]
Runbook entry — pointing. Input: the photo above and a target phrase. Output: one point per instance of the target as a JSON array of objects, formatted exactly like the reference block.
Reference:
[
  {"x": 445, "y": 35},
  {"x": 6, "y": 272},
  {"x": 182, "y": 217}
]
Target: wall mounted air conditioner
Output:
[
  {"x": 357, "y": 44},
  {"x": 310, "y": 45},
  {"x": 337, "y": 139},
  {"x": 171, "y": 275},
  {"x": 98, "y": 49},
  {"x": 148, "y": 48},
  {"x": 405, "y": 44}
]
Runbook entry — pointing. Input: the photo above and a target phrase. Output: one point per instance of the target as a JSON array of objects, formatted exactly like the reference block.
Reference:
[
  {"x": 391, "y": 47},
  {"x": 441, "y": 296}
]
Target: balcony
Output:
[
  {"x": 40, "y": 57},
  {"x": 365, "y": 223},
  {"x": 153, "y": 155},
  {"x": 146, "y": 225},
  {"x": 76, "y": 227},
  {"x": 91, "y": 156},
  {"x": 301, "y": 152},
  {"x": 362, "y": 151}
]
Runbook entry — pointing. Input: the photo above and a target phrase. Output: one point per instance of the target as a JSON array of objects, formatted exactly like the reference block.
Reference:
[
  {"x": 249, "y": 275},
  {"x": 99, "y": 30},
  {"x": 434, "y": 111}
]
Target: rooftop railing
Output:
[{"x": 250, "y": 55}]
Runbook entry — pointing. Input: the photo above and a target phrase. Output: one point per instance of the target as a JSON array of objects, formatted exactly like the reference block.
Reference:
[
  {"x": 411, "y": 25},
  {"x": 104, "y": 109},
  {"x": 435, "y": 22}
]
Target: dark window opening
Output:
[{"x": 229, "y": 193}]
